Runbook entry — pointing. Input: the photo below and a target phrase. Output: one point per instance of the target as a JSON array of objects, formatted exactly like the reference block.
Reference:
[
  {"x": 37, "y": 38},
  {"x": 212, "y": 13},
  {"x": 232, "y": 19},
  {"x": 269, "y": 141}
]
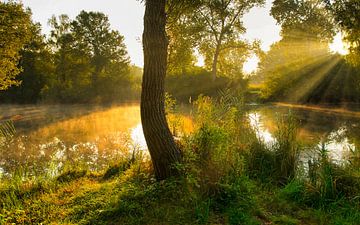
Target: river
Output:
[{"x": 97, "y": 136}]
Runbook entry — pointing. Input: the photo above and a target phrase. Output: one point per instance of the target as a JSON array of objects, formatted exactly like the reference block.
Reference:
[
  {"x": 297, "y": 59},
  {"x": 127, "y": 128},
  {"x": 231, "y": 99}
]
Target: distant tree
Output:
[
  {"x": 90, "y": 59},
  {"x": 182, "y": 33},
  {"x": 15, "y": 33},
  {"x": 222, "y": 26},
  {"x": 181, "y": 48},
  {"x": 71, "y": 79},
  {"x": 104, "y": 47},
  {"x": 287, "y": 64},
  {"x": 163, "y": 150},
  {"x": 232, "y": 59}
]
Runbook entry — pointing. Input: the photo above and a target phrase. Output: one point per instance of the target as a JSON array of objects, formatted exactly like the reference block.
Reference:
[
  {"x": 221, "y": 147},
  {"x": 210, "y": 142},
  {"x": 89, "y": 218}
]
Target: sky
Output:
[{"x": 126, "y": 16}]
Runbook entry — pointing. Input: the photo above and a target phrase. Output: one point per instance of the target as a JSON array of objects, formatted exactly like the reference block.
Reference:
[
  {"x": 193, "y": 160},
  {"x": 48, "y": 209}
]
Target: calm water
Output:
[
  {"x": 337, "y": 130},
  {"x": 54, "y": 136}
]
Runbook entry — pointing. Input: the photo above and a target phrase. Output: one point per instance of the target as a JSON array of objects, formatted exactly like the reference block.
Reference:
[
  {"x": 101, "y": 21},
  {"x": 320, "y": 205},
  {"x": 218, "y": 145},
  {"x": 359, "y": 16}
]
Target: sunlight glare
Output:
[
  {"x": 251, "y": 64},
  {"x": 262, "y": 133},
  {"x": 137, "y": 137},
  {"x": 338, "y": 46},
  {"x": 200, "y": 60}
]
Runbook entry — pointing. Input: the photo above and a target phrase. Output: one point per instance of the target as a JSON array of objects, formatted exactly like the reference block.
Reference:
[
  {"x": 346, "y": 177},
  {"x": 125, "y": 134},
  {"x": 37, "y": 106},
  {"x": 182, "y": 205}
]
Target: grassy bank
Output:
[{"x": 228, "y": 176}]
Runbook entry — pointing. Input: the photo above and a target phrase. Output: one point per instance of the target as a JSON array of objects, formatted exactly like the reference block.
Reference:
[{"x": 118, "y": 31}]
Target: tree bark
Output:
[
  {"x": 215, "y": 60},
  {"x": 163, "y": 150}
]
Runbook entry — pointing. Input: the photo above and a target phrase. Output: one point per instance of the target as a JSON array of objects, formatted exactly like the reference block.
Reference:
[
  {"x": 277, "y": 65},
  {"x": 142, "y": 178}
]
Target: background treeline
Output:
[{"x": 82, "y": 60}]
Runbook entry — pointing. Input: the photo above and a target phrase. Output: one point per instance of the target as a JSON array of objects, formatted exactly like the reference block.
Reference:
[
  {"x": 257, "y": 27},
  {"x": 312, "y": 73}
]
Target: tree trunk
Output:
[
  {"x": 163, "y": 150},
  {"x": 215, "y": 60}
]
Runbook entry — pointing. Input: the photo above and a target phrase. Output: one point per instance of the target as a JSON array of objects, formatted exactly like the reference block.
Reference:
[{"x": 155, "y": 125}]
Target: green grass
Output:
[{"x": 134, "y": 197}]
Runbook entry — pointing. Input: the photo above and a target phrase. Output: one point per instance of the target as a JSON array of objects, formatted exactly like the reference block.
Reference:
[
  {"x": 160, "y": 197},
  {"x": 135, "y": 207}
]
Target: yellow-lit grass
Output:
[
  {"x": 256, "y": 86},
  {"x": 180, "y": 124},
  {"x": 59, "y": 207}
]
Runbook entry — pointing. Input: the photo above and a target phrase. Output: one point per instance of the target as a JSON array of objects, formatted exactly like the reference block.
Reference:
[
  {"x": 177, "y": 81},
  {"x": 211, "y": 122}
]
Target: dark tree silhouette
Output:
[{"x": 163, "y": 150}]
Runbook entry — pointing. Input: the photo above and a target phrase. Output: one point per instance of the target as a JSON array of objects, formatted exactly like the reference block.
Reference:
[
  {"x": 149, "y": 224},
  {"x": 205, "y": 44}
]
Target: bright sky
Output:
[
  {"x": 338, "y": 46},
  {"x": 126, "y": 16}
]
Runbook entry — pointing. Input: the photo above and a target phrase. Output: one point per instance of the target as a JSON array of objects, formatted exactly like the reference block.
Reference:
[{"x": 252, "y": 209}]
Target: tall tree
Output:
[
  {"x": 15, "y": 33},
  {"x": 222, "y": 24},
  {"x": 163, "y": 150},
  {"x": 94, "y": 37}
]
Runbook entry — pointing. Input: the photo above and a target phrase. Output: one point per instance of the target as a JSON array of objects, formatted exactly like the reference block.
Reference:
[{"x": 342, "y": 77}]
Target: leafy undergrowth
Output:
[{"x": 134, "y": 197}]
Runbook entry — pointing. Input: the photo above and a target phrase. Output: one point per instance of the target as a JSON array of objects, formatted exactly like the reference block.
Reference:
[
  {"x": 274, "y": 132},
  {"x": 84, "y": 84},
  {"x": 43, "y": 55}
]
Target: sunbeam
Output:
[{"x": 308, "y": 83}]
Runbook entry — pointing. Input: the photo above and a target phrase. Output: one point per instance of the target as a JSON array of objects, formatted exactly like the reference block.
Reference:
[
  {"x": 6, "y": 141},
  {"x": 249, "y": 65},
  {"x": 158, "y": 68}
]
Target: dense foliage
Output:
[
  {"x": 15, "y": 33},
  {"x": 82, "y": 61}
]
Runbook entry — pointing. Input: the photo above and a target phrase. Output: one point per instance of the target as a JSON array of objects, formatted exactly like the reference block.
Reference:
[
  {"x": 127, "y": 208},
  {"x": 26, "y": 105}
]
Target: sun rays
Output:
[{"x": 301, "y": 69}]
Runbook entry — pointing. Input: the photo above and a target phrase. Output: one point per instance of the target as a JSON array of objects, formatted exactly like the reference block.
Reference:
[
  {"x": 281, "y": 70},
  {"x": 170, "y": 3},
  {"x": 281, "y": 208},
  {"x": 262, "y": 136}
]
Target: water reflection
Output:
[
  {"x": 137, "y": 137},
  {"x": 261, "y": 131},
  {"x": 338, "y": 145},
  {"x": 94, "y": 140},
  {"x": 339, "y": 134},
  {"x": 95, "y": 137}
]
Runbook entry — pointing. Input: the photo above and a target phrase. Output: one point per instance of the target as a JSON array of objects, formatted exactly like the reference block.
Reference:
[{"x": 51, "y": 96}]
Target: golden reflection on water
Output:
[
  {"x": 103, "y": 135},
  {"x": 93, "y": 139},
  {"x": 261, "y": 130},
  {"x": 94, "y": 136},
  {"x": 92, "y": 126}
]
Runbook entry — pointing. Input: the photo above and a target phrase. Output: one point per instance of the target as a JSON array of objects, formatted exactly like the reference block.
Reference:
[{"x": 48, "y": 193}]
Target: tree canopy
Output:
[
  {"x": 222, "y": 27},
  {"x": 15, "y": 33},
  {"x": 303, "y": 19},
  {"x": 90, "y": 59},
  {"x": 300, "y": 67}
]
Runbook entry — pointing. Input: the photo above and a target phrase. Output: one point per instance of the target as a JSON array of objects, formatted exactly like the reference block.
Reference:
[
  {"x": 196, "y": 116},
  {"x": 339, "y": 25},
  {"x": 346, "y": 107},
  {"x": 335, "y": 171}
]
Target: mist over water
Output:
[{"x": 50, "y": 137}]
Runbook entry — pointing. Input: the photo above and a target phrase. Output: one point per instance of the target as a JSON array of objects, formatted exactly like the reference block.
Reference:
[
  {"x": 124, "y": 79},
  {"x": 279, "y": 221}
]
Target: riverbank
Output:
[
  {"x": 347, "y": 110},
  {"x": 228, "y": 175}
]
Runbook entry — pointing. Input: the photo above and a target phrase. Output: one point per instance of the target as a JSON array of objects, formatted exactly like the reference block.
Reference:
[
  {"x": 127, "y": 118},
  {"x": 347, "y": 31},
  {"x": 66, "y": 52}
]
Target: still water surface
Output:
[
  {"x": 53, "y": 136},
  {"x": 336, "y": 130}
]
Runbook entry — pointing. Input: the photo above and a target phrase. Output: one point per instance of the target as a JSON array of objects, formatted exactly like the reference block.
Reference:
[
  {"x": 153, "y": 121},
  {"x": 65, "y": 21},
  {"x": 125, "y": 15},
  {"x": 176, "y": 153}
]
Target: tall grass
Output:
[
  {"x": 276, "y": 162},
  {"x": 286, "y": 148}
]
